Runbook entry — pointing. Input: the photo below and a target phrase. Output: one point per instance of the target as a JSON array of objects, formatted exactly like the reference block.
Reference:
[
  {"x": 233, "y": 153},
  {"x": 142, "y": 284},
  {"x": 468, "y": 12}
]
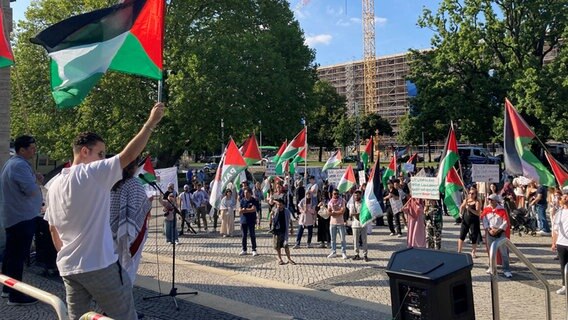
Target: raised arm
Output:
[{"x": 138, "y": 143}]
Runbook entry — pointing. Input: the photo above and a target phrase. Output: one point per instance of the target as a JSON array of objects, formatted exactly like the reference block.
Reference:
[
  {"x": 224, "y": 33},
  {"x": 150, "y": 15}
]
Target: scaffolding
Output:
[{"x": 392, "y": 102}]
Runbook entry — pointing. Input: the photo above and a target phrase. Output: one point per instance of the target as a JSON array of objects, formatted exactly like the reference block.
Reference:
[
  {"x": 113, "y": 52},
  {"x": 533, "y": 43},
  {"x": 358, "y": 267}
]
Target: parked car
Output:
[
  {"x": 474, "y": 155},
  {"x": 210, "y": 167},
  {"x": 350, "y": 158}
]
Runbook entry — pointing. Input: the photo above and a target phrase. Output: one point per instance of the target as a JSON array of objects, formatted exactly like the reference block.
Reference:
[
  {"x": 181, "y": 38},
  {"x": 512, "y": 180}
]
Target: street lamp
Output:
[
  {"x": 222, "y": 135},
  {"x": 260, "y": 131}
]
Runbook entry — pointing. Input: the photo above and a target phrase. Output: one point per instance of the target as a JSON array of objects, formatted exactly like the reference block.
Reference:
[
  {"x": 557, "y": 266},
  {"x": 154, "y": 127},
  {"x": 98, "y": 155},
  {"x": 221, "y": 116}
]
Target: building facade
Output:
[{"x": 392, "y": 95}]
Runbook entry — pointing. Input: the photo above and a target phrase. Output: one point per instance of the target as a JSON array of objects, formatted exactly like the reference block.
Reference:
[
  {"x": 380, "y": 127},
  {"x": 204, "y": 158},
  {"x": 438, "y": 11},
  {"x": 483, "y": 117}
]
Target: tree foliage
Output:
[
  {"x": 237, "y": 60},
  {"x": 325, "y": 118},
  {"x": 484, "y": 51}
]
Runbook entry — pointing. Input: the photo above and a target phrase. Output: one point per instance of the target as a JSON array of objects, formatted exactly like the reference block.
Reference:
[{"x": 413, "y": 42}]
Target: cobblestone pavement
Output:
[{"x": 233, "y": 287}]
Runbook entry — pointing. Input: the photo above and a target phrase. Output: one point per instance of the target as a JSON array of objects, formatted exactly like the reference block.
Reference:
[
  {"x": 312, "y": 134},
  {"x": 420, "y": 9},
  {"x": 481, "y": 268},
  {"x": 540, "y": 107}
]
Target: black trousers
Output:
[{"x": 563, "y": 257}]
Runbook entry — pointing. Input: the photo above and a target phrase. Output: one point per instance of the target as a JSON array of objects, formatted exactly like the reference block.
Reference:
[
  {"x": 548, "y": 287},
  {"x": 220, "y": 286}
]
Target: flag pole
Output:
[
  {"x": 160, "y": 87},
  {"x": 306, "y": 159}
]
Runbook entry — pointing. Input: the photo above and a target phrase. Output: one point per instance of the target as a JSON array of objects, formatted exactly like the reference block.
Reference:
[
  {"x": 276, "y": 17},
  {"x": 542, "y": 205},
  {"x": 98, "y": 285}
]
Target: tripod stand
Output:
[{"x": 173, "y": 291}]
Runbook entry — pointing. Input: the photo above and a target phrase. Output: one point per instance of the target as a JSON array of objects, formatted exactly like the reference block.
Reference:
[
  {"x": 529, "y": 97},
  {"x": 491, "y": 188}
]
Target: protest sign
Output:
[
  {"x": 334, "y": 176},
  {"x": 485, "y": 172},
  {"x": 424, "y": 188}
]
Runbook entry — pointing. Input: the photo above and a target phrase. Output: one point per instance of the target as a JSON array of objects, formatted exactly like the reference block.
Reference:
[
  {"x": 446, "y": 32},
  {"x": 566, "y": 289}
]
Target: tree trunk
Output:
[{"x": 320, "y": 153}]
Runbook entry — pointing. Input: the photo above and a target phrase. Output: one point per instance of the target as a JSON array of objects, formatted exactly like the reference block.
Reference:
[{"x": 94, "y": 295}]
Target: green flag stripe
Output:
[{"x": 132, "y": 50}]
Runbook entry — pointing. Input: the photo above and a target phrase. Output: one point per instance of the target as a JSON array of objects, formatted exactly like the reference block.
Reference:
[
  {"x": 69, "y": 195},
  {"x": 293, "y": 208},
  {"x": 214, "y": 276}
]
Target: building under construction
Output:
[{"x": 391, "y": 102}]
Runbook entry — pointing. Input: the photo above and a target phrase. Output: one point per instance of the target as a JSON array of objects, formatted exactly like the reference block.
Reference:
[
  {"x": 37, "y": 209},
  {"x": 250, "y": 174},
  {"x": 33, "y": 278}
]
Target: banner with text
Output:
[
  {"x": 424, "y": 188},
  {"x": 334, "y": 176},
  {"x": 485, "y": 172}
]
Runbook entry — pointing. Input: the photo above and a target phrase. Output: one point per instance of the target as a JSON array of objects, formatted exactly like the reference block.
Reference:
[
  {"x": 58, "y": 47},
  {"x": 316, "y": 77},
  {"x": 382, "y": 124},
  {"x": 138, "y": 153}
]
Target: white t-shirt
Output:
[
  {"x": 79, "y": 209},
  {"x": 560, "y": 225}
]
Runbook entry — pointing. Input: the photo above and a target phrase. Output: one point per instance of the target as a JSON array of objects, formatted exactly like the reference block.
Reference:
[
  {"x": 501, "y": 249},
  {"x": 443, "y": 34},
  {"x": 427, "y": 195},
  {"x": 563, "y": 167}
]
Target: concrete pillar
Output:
[{"x": 5, "y": 96}]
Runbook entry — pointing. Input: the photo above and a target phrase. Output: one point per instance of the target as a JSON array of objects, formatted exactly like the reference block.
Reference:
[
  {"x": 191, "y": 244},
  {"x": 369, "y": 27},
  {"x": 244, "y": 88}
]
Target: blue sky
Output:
[{"x": 333, "y": 27}]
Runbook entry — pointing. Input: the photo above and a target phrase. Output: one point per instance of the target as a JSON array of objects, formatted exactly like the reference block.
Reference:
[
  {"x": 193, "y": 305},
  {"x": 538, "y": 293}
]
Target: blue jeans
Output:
[
  {"x": 301, "y": 233},
  {"x": 333, "y": 230},
  {"x": 249, "y": 228},
  {"x": 503, "y": 251},
  {"x": 18, "y": 242},
  {"x": 171, "y": 232},
  {"x": 542, "y": 222}
]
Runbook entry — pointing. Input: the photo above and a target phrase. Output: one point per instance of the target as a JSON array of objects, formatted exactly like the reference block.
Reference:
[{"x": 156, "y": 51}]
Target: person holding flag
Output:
[
  {"x": 79, "y": 197},
  {"x": 359, "y": 233}
]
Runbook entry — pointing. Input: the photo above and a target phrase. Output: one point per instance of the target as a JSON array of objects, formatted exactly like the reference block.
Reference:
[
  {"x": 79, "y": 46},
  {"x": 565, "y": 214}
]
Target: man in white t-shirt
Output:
[{"x": 78, "y": 213}]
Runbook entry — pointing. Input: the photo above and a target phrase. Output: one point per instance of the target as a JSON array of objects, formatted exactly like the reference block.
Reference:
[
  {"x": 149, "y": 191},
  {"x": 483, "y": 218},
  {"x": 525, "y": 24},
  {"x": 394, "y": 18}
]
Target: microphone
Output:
[{"x": 143, "y": 178}]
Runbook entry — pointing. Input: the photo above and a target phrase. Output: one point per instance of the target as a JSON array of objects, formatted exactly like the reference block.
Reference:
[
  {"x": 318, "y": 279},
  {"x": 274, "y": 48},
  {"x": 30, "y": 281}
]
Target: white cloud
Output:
[
  {"x": 312, "y": 41},
  {"x": 336, "y": 12},
  {"x": 355, "y": 20},
  {"x": 380, "y": 21}
]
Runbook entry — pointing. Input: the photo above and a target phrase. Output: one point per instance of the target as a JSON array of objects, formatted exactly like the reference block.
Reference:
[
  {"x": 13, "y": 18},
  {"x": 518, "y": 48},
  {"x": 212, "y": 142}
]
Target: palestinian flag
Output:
[
  {"x": 558, "y": 169},
  {"x": 453, "y": 185},
  {"x": 301, "y": 157},
  {"x": 373, "y": 197},
  {"x": 449, "y": 160},
  {"x": 519, "y": 160},
  {"x": 277, "y": 157},
  {"x": 266, "y": 186},
  {"x": 147, "y": 170},
  {"x": 413, "y": 158},
  {"x": 6, "y": 57},
  {"x": 333, "y": 161},
  {"x": 250, "y": 151},
  {"x": 294, "y": 147},
  {"x": 347, "y": 181},
  {"x": 127, "y": 37},
  {"x": 366, "y": 155},
  {"x": 232, "y": 164},
  {"x": 390, "y": 171}
]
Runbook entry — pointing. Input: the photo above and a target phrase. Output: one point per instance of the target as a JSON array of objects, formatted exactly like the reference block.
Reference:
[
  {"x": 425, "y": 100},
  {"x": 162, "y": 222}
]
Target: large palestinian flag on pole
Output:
[
  {"x": 558, "y": 169},
  {"x": 347, "y": 181},
  {"x": 232, "y": 164},
  {"x": 6, "y": 57},
  {"x": 519, "y": 160},
  {"x": 333, "y": 161},
  {"x": 301, "y": 157},
  {"x": 453, "y": 186},
  {"x": 373, "y": 197},
  {"x": 366, "y": 155},
  {"x": 294, "y": 147},
  {"x": 127, "y": 37},
  {"x": 390, "y": 171},
  {"x": 449, "y": 160}
]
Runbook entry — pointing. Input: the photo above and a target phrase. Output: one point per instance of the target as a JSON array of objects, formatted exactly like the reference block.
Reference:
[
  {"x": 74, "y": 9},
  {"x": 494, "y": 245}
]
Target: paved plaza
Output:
[{"x": 246, "y": 287}]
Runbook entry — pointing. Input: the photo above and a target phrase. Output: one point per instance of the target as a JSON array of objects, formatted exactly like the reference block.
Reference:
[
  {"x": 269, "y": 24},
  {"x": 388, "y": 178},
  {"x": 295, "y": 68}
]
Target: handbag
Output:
[{"x": 323, "y": 212}]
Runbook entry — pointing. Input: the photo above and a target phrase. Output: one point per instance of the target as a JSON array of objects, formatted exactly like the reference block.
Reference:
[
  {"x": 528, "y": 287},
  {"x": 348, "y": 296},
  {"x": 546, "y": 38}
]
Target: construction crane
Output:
[{"x": 369, "y": 64}]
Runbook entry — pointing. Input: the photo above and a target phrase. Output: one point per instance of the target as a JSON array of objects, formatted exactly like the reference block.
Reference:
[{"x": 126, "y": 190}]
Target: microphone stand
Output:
[{"x": 173, "y": 291}]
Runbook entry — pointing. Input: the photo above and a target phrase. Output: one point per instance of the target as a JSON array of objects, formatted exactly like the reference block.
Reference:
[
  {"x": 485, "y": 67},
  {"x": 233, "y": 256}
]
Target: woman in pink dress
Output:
[{"x": 414, "y": 211}]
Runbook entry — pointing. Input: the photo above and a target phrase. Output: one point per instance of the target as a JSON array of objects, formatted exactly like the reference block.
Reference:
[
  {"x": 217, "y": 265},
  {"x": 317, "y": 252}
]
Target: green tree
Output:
[
  {"x": 237, "y": 60},
  {"x": 484, "y": 51},
  {"x": 345, "y": 132},
  {"x": 325, "y": 117},
  {"x": 372, "y": 122}
]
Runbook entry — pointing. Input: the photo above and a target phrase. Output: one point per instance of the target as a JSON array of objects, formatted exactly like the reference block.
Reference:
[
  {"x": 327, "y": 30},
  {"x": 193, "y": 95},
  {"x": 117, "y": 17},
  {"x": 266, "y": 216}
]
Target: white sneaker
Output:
[
  {"x": 332, "y": 255},
  {"x": 243, "y": 253},
  {"x": 344, "y": 256},
  {"x": 392, "y": 234},
  {"x": 508, "y": 274},
  {"x": 254, "y": 254},
  {"x": 561, "y": 291},
  {"x": 543, "y": 233},
  {"x": 488, "y": 271}
]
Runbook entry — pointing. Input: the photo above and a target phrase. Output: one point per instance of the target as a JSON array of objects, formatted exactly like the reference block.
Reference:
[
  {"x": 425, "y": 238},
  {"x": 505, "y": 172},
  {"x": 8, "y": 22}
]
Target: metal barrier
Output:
[
  {"x": 494, "y": 284},
  {"x": 39, "y": 294}
]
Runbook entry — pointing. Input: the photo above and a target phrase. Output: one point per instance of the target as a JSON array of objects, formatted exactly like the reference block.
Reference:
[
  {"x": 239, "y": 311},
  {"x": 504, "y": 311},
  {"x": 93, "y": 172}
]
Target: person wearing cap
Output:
[
  {"x": 359, "y": 232},
  {"x": 247, "y": 213},
  {"x": 497, "y": 226},
  {"x": 184, "y": 202},
  {"x": 20, "y": 204}
]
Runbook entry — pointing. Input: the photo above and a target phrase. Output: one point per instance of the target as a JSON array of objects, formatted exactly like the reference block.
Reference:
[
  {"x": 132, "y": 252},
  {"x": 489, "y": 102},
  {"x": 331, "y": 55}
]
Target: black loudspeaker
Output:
[{"x": 430, "y": 284}]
